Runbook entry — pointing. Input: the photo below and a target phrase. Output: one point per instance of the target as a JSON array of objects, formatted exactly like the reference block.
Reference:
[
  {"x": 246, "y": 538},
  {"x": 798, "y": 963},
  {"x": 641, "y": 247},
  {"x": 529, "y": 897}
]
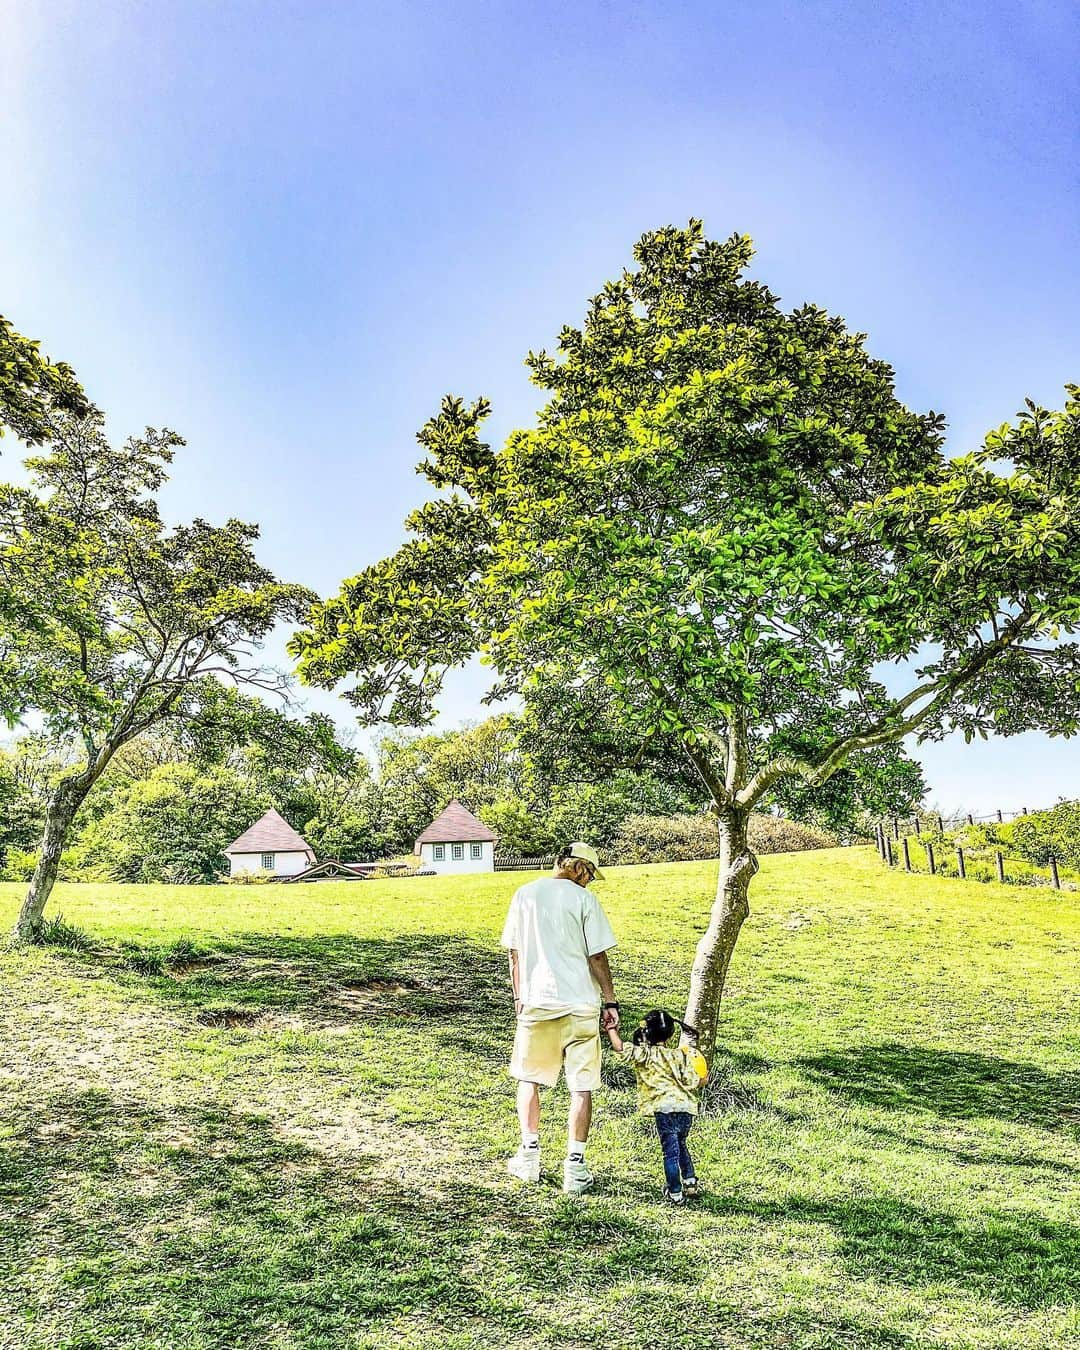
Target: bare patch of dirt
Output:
[
  {"x": 58, "y": 1129},
  {"x": 378, "y": 986},
  {"x": 227, "y": 1017},
  {"x": 365, "y": 996},
  {"x": 194, "y": 965}
]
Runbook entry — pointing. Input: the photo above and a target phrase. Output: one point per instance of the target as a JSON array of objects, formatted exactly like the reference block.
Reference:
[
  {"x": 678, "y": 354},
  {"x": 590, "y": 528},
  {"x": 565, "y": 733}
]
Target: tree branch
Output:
[{"x": 886, "y": 729}]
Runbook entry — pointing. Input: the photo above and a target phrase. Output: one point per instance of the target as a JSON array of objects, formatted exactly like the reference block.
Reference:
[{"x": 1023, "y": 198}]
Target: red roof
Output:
[
  {"x": 272, "y": 834},
  {"x": 456, "y": 825}
]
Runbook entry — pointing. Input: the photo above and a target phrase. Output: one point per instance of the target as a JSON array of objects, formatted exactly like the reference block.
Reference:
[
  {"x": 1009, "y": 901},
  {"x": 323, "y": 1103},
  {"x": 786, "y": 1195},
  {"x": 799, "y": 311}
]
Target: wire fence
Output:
[
  {"x": 898, "y": 835},
  {"x": 932, "y": 820}
]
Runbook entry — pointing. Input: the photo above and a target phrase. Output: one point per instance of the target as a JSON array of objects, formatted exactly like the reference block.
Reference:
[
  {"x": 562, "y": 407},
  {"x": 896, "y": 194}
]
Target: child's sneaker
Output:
[
  {"x": 675, "y": 1197},
  {"x": 690, "y": 1188},
  {"x": 525, "y": 1164},
  {"x": 576, "y": 1176}
]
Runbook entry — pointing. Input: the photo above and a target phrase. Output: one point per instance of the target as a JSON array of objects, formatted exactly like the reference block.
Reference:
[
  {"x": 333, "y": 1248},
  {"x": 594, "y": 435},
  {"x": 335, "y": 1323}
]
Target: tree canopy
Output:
[
  {"x": 32, "y": 387},
  {"x": 721, "y": 531},
  {"x": 110, "y": 622}
]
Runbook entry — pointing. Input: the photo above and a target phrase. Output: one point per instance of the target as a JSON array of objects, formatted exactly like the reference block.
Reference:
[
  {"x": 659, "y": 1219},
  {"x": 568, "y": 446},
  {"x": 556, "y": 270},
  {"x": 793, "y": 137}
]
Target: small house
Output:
[
  {"x": 456, "y": 841},
  {"x": 271, "y": 845}
]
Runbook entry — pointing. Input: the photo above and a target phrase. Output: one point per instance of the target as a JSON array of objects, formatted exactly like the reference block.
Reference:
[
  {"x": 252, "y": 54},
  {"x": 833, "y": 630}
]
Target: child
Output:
[{"x": 668, "y": 1079}]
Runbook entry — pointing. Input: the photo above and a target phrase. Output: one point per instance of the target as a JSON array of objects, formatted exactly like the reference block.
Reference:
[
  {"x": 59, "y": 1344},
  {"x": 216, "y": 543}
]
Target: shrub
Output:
[
  {"x": 405, "y": 866},
  {"x": 158, "y": 960},
  {"x": 19, "y": 864},
  {"x": 142, "y": 960},
  {"x": 181, "y": 951},
  {"x": 686, "y": 838},
  {"x": 774, "y": 834},
  {"x": 257, "y": 878},
  {"x": 55, "y": 932},
  {"x": 1045, "y": 834}
]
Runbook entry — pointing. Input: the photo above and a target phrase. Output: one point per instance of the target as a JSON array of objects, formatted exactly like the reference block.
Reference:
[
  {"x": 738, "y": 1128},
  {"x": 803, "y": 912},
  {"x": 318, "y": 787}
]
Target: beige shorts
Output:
[{"x": 572, "y": 1043}]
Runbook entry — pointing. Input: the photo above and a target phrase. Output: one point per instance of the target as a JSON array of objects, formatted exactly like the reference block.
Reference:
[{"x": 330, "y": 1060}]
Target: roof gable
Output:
[
  {"x": 271, "y": 834},
  {"x": 456, "y": 825}
]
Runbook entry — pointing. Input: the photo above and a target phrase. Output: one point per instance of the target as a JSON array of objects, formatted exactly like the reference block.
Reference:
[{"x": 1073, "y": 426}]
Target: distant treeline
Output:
[{"x": 168, "y": 808}]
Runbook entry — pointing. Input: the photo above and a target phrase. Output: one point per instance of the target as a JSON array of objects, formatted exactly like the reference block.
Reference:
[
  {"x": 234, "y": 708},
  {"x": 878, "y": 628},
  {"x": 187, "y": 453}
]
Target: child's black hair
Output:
[{"x": 656, "y": 1027}]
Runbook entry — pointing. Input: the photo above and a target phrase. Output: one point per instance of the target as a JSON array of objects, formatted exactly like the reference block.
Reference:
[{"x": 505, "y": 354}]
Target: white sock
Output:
[
  {"x": 575, "y": 1148},
  {"x": 530, "y": 1141}
]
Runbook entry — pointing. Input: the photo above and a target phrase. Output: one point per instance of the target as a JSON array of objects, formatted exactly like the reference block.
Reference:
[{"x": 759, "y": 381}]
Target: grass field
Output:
[{"x": 294, "y": 1136}]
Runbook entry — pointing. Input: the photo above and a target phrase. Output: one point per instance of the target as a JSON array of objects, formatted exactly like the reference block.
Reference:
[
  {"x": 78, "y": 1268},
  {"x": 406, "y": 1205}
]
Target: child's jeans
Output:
[{"x": 673, "y": 1127}]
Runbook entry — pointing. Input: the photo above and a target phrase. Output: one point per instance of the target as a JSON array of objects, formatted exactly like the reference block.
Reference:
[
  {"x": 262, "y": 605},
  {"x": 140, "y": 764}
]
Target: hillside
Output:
[{"x": 293, "y": 1135}]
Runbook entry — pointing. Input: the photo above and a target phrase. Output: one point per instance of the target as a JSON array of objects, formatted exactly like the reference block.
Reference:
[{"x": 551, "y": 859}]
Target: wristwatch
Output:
[{"x": 612, "y": 1005}]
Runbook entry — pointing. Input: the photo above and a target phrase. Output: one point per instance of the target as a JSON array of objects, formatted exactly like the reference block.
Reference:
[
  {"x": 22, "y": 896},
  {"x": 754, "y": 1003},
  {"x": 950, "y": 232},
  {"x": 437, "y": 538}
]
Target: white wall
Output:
[
  {"x": 285, "y": 864},
  {"x": 485, "y": 863}
]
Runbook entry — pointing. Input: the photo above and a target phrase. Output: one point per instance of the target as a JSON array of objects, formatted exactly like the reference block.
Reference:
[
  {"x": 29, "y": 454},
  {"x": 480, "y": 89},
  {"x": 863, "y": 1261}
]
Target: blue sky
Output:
[{"x": 286, "y": 230}]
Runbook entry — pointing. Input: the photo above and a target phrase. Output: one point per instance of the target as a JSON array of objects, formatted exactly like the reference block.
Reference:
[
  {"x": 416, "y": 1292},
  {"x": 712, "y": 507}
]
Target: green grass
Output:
[{"x": 276, "y": 1117}]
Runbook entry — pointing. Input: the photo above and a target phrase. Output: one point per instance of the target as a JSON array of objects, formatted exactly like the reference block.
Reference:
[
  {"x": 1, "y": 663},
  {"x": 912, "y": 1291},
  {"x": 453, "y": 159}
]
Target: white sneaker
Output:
[
  {"x": 525, "y": 1164},
  {"x": 576, "y": 1177}
]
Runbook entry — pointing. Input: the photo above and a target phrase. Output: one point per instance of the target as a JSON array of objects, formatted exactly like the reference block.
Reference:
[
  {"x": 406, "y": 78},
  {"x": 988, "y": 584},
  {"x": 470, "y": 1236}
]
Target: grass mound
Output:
[{"x": 276, "y": 1117}]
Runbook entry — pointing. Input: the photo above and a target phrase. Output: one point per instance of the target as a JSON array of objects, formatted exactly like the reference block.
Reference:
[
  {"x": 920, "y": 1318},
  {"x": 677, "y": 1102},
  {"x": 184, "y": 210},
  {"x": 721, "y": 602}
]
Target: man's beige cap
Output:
[{"x": 586, "y": 853}]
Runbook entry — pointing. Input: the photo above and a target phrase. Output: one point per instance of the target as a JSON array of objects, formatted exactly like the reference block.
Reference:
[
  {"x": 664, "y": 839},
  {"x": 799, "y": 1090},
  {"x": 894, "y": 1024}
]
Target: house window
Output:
[
  {"x": 457, "y": 851},
  {"x": 438, "y": 852},
  {"x": 476, "y": 850},
  {"x": 268, "y": 862}
]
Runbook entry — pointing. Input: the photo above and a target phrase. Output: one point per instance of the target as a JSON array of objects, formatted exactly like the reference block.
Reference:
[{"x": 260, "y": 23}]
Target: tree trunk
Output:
[
  {"x": 737, "y": 866},
  {"x": 66, "y": 799}
]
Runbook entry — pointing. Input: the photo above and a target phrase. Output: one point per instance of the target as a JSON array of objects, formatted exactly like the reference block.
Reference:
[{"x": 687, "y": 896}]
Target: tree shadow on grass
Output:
[
  {"x": 960, "y": 1084},
  {"x": 427, "y": 977},
  {"x": 442, "y": 984},
  {"x": 1025, "y": 1261},
  {"x": 126, "y": 1222},
  {"x": 129, "y": 1224},
  {"x": 967, "y": 1157}
]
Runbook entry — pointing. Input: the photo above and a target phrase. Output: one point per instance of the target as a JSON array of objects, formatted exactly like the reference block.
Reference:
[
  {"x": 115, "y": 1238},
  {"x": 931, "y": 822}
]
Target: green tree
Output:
[
  {"x": 322, "y": 786},
  {"x": 238, "y": 757},
  {"x": 478, "y": 765},
  {"x": 32, "y": 387},
  {"x": 408, "y": 798},
  {"x": 173, "y": 826},
  {"x": 111, "y": 624},
  {"x": 28, "y": 771},
  {"x": 19, "y": 819},
  {"x": 721, "y": 526},
  {"x": 596, "y": 811}
]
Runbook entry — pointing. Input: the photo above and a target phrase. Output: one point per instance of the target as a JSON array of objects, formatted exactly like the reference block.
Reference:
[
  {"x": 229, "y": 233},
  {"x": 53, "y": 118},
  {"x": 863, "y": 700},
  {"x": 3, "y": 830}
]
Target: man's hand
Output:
[{"x": 601, "y": 972}]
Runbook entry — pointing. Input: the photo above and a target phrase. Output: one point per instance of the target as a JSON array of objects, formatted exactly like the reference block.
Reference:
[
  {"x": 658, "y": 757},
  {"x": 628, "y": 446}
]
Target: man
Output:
[{"x": 558, "y": 937}]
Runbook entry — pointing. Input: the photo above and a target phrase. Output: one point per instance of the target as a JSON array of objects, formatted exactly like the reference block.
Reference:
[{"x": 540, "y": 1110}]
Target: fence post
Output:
[
  {"x": 960, "y": 863},
  {"x": 918, "y": 827},
  {"x": 1023, "y": 810},
  {"x": 930, "y": 858},
  {"x": 940, "y": 825},
  {"x": 1000, "y": 866},
  {"x": 1000, "y": 821},
  {"x": 971, "y": 819},
  {"x": 895, "y": 828},
  {"x": 889, "y": 853},
  {"x": 1054, "y": 873},
  {"x": 907, "y": 855}
]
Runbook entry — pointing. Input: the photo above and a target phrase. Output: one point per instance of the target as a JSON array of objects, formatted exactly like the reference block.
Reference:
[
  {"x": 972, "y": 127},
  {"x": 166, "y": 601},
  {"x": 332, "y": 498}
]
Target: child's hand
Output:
[{"x": 697, "y": 1059}]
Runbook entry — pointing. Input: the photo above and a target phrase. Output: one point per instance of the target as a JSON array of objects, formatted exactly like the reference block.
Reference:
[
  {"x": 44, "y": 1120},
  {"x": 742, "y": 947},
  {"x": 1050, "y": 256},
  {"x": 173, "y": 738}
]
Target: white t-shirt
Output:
[{"x": 554, "y": 926}]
